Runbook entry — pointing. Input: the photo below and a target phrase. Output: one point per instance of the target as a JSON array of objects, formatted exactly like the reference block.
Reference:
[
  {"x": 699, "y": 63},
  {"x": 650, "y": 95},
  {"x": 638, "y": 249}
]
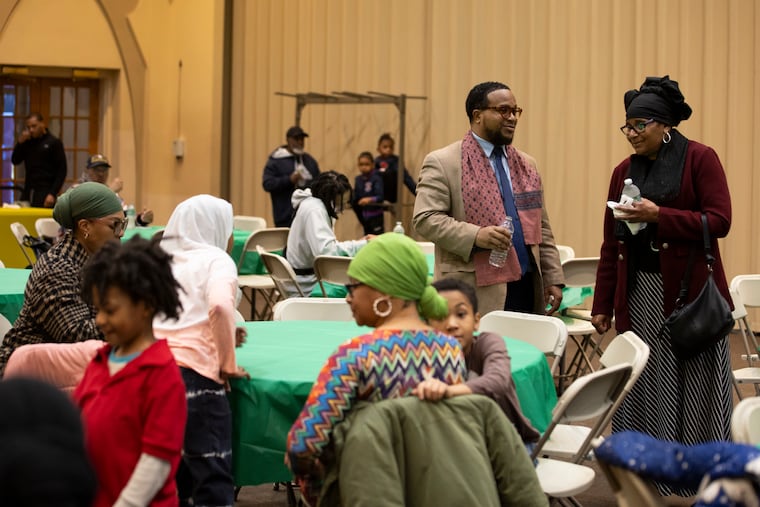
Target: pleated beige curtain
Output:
[{"x": 568, "y": 62}]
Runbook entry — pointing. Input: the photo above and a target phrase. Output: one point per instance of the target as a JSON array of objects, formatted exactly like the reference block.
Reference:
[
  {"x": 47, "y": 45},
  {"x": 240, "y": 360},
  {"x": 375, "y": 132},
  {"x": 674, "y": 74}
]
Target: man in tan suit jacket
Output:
[{"x": 439, "y": 212}]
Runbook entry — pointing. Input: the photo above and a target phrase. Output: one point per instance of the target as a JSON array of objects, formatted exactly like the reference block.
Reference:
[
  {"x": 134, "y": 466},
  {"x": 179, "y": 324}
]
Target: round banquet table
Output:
[
  {"x": 284, "y": 358},
  {"x": 12, "y": 285}
]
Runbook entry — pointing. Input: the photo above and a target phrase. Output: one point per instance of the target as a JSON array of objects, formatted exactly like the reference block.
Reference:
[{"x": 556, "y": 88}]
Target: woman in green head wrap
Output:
[
  {"x": 390, "y": 292},
  {"x": 54, "y": 311}
]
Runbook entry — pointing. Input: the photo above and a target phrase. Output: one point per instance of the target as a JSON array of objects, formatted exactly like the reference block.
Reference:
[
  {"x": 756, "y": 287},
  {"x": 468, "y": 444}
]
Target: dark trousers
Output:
[
  {"x": 205, "y": 471},
  {"x": 374, "y": 225},
  {"x": 520, "y": 294}
]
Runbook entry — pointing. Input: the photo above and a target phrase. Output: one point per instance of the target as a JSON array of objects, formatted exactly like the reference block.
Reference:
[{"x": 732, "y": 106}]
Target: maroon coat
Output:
[{"x": 703, "y": 190}]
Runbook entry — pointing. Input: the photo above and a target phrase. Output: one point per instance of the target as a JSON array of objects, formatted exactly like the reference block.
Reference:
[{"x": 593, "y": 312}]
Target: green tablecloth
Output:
[
  {"x": 251, "y": 266},
  {"x": 284, "y": 358},
  {"x": 12, "y": 285}
]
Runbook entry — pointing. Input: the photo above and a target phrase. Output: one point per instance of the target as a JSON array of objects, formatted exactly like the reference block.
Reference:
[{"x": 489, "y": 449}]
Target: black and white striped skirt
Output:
[{"x": 685, "y": 401}]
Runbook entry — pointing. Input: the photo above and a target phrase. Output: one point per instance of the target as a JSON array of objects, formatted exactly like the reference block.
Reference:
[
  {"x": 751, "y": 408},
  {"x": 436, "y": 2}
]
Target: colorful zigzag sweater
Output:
[{"x": 377, "y": 366}]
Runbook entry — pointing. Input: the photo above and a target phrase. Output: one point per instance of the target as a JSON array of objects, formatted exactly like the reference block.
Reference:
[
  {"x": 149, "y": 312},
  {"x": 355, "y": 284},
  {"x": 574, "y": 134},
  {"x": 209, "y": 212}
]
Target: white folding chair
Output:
[
  {"x": 745, "y": 421},
  {"x": 589, "y": 397},
  {"x": 745, "y": 292},
  {"x": 282, "y": 274},
  {"x": 270, "y": 240},
  {"x": 547, "y": 334},
  {"x": 248, "y": 223},
  {"x": 19, "y": 232},
  {"x": 5, "y": 326},
  {"x": 427, "y": 247},
  {"x": 630, "y": 489},
  {"x": 565, "y": 252},
  {"x": 331, "y": 269},
  {"x": 580, "y": 272},
  {"x": 47, "y": 228},
  {"x": 305, "y": 308},
  {"x": 574, "y": 441}
]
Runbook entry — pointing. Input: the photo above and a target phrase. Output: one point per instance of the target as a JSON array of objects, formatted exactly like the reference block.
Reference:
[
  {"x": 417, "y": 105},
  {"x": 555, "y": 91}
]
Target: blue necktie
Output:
[{"x": 509, "y": 207}]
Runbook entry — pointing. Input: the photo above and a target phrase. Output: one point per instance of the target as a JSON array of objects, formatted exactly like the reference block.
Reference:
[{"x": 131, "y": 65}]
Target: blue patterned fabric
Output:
[{"x": 719, "y": 464}]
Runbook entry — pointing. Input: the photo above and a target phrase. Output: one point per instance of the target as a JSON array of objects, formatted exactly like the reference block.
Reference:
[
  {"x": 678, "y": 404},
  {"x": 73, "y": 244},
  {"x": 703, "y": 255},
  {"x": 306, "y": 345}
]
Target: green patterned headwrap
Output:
[
  {"x": 395, "y": 265},
  {"x": 86, "y": 200}
]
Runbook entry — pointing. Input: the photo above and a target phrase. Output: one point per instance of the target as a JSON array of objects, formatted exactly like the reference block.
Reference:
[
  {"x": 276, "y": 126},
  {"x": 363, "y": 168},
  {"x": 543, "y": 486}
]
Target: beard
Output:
[{"x": 297, "y": 151}]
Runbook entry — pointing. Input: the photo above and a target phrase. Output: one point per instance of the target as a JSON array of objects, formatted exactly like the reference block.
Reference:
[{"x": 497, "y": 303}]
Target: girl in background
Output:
[
  {"x": 131, "y": 396},
  {"x": 368, "y": 195},
  {"x": 386, "y": 163},
  {"x": 203, "y": 339}
]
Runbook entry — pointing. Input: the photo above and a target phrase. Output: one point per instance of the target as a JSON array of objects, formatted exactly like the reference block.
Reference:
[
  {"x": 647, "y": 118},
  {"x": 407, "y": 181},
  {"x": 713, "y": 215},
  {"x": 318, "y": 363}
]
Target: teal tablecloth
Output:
[
  {"x": 12, "y": 285},
  {"x": 284, "y": 358},
  {"x": 251, "y": 266}
]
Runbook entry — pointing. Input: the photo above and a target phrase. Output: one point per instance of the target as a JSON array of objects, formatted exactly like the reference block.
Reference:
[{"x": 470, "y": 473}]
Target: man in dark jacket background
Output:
[
  {"x": 288, "y": 167},
  {"x": 44, "y": 161}
]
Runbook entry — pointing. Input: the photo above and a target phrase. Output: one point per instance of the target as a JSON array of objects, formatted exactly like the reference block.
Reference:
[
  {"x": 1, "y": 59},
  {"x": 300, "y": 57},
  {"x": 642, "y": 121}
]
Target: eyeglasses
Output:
[
  {"x": 351, "y": 286},
  {"x": 506, "y": 111},
  {"x": 637, "y": 128},
  {"x": 117, "y": 225}
]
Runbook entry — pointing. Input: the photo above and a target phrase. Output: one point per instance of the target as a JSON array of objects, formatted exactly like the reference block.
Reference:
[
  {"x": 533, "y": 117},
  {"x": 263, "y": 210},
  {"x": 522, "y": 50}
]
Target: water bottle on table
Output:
[
  {"x": 498, "y": 258},
  {"x": 131, "y": 216},
  {"x": 399, "y": 229}
]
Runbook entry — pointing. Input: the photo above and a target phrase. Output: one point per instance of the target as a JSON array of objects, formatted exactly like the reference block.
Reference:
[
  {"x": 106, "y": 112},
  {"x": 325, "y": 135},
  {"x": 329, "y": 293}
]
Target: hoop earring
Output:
[
  {"x": 387, "y": 312},
  {"x": 86, "y": 235},
  {"x": 666, "y": 137}
]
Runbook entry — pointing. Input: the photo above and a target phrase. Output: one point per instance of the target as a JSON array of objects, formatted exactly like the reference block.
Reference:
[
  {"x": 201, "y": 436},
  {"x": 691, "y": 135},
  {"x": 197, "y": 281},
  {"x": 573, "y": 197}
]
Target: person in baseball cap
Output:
[{"x": 288, "y": 168}]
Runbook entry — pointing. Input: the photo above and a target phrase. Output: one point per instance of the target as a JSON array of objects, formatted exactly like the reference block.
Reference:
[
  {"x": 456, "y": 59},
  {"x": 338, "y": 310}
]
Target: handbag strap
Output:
[{"x": 682, "y": 293}]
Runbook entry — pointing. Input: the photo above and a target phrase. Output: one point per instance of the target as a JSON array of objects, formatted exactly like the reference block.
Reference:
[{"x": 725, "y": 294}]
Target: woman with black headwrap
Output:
[
  {"x": 639, "y": 275},
  {"x": 54, "y": 311}
]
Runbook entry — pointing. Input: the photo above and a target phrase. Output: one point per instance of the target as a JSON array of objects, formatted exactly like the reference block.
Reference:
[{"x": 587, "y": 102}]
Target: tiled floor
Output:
[{"x": 600, "y": 495}]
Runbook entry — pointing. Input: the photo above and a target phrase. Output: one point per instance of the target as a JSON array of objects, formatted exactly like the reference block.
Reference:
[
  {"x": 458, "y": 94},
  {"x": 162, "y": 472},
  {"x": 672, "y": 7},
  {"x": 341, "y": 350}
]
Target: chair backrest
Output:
[
  {"x": 547, "y": 334},
  {"x": 275, "y": 238},
  {"x": 627, "y": 349},
  {"x": 331, "y": 269},
  {"x": 305, "y": 308},
  {"x": 248, "y": 223},
  {"x": 745, "y": 421},
  {"x": 745, "y": 292},
  {"x": 748, "y": 287},
  {"x": 580, "y": 271},
  {"x": 19, "y": 232},
  {"x": 630, "y": 489},
  {"x": 5, "y": 326},
  {"x": 591, "y": 396},
  {"x": 47, "y": 227},
  {"x": 427, "y": 247},
  {"x": 565, "y": 252},
  {"x": 281, "y": 272}
]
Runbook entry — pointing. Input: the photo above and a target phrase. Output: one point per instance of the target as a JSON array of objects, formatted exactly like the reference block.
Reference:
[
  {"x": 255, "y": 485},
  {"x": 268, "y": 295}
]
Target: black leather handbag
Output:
[{"x": 697, "y": 326}]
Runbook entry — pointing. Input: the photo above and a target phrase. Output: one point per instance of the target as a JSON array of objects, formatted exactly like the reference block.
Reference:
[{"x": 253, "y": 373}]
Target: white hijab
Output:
[{"x": 196, "y": 236}]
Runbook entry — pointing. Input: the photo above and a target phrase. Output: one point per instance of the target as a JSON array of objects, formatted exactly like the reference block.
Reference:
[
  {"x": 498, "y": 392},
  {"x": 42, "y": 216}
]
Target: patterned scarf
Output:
[{"x": 483, "y": 205}]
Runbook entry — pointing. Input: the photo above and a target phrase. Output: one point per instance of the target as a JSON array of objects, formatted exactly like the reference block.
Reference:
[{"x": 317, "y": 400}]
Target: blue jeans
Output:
[{"x": 204, "y": 476}]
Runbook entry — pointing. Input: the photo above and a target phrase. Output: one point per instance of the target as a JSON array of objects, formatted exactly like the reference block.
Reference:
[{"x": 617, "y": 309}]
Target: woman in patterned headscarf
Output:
[
  {"x": 54, "y": 311},
  {"x": 639, "y": 275},
  {"x": 391, "y": 292}
]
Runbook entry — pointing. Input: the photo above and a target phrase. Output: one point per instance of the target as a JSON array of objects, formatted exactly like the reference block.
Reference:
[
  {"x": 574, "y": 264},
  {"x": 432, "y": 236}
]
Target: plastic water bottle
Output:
[
  {"x": 399, "y": 229},
  {"x": 131, "y": 216},
  {"x": 498, "y": 258},
  {"x": 631, "y": 193}
]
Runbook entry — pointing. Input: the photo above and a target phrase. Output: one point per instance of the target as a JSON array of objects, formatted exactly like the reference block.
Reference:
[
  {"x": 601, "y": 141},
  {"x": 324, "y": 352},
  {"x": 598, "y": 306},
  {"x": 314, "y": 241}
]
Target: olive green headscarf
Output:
[
  {"x": 395, "y": 265},
  {"x": 86, "y": 200}
]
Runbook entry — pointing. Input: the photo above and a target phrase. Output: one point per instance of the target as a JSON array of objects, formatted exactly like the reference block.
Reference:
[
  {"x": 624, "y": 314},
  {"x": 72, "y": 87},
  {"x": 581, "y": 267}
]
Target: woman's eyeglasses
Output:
[
  {"x": 637, "y": 128},
  {"x": 117, "y": 225},
  {"x": 351, "y": 286}
]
